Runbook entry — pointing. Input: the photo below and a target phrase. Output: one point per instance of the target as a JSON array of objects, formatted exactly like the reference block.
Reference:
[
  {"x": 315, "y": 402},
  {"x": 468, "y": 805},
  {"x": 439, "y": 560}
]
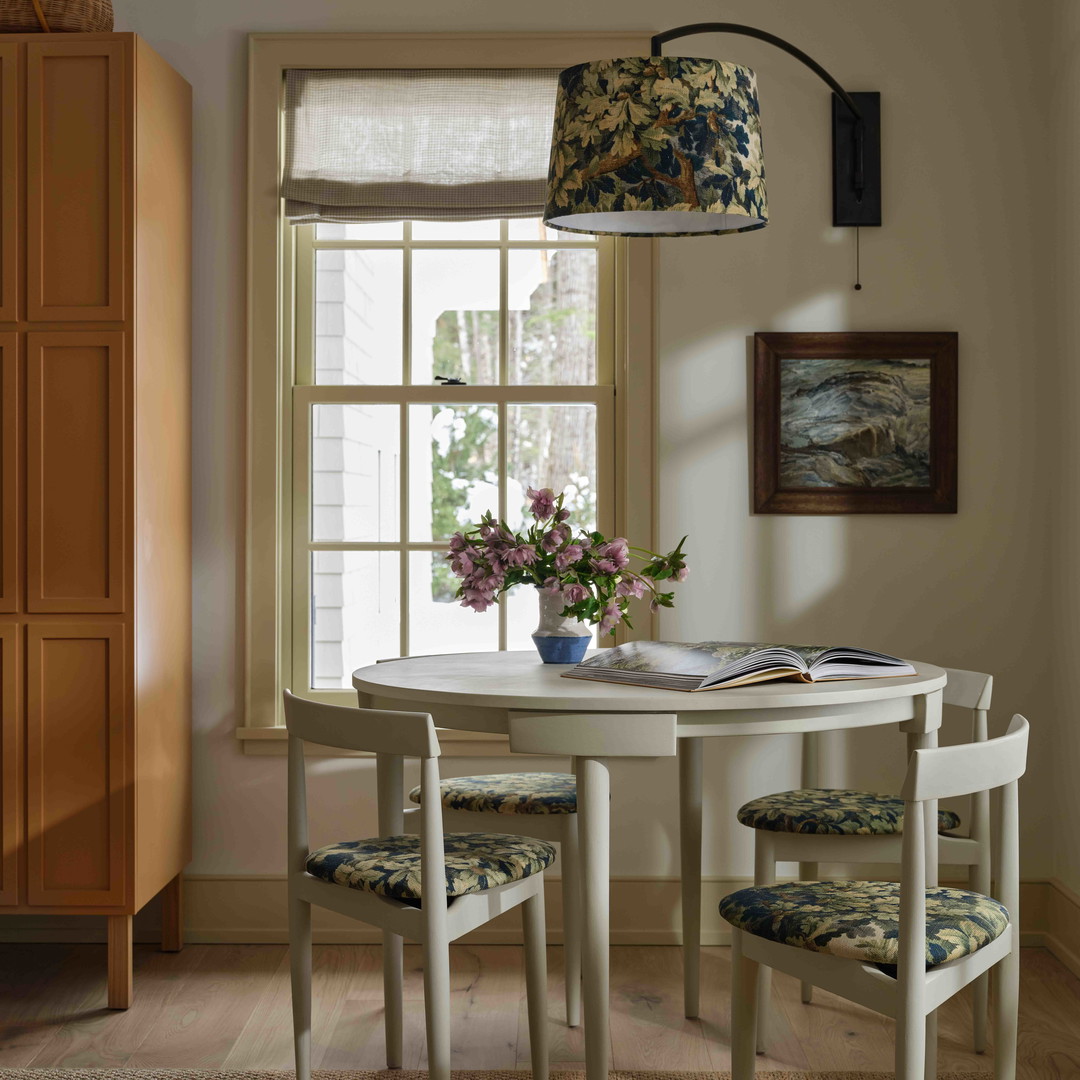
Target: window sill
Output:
[{"x": 273, "y": 742}]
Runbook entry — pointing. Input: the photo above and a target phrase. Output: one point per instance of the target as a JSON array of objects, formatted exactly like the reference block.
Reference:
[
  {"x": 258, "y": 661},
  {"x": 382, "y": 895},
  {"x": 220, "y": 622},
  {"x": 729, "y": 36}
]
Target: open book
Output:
[{"x": 712, "y": 665}]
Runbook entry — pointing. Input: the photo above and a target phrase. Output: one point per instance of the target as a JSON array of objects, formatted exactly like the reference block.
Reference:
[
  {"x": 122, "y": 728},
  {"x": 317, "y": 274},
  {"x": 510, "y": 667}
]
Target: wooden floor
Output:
[{"x": 227, "y": 1006}]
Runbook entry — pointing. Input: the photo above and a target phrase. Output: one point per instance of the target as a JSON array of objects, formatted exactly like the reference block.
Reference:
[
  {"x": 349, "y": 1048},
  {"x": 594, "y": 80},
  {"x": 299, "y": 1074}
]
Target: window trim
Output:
[{"x": 267, "y": 641}]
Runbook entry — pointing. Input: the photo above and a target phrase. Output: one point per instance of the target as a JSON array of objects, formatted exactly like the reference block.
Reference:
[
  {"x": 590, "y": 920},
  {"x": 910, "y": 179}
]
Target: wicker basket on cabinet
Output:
[{"x": 67, "y": 16}]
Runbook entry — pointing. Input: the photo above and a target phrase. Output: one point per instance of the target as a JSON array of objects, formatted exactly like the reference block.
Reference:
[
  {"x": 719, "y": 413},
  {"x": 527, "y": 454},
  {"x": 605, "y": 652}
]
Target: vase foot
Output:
[{"x": 561, "y": 650}]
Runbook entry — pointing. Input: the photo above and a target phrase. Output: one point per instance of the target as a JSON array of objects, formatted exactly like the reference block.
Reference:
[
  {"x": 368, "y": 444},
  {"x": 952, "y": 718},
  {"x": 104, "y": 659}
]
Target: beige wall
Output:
[
  {"x": 961, "y": 249},
  {"x": 1063, "y": 272}
]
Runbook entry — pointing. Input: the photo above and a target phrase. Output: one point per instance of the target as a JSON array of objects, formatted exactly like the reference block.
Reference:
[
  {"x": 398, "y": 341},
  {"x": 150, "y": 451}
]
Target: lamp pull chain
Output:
[{"x": 858, "y": 270}]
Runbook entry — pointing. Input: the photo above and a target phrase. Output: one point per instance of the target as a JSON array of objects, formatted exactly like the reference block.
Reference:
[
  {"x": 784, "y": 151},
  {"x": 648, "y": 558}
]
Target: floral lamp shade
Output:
[{"x": 657, "y": 146}]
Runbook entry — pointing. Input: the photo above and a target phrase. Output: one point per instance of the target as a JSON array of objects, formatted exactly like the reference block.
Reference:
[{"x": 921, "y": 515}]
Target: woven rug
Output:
[{"x": 405, "y": 1074}]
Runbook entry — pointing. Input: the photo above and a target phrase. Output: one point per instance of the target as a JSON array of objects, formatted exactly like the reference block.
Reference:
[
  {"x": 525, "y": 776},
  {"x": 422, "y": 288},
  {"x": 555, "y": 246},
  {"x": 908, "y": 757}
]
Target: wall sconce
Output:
[{"x": 671, "y": 145}]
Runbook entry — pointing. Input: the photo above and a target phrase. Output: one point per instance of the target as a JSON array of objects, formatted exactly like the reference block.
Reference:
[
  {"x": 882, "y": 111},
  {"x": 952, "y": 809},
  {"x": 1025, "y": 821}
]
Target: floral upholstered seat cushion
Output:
[
  {"x": 390, "y": 865},
  {"x": 510, "y": 793},
  {"x": 830, "y": 810},
  {"x": 860, "y": 920}
]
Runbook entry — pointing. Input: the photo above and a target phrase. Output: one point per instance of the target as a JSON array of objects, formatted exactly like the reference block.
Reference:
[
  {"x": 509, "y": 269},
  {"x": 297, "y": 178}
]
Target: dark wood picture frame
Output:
[{"x": 937, "y": 498}]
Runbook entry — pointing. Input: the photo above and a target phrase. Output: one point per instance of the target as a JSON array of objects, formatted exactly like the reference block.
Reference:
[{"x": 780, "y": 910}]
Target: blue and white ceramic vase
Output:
[{"x": 559, "y": 640}]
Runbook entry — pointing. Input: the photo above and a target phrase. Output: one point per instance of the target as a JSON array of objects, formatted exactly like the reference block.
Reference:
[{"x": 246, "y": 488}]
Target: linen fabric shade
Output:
[
  {"x": 657, "y": 146},
  {"x": 365, "y": 145}
]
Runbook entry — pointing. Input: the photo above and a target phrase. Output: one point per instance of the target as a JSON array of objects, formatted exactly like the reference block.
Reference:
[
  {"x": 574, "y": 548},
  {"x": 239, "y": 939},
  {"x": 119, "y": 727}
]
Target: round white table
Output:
[{"x": 513, "y": 693}]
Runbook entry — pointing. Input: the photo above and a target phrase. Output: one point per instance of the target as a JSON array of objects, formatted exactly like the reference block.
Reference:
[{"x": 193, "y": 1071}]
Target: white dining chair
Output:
[
  {"x": 385, "y": 880},
  {"x": 542, "y": 805},
  {"x": 901, "y": 949},
  {"x": 815, "y": 825}
]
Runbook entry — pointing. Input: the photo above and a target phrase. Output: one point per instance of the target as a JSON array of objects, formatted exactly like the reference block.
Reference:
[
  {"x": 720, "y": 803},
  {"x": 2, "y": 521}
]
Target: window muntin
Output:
[{"x": 387, "y": 463}]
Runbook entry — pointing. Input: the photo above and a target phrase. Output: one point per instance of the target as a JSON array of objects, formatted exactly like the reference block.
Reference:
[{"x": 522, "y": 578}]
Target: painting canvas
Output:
[{"x": 855, "y": 423}]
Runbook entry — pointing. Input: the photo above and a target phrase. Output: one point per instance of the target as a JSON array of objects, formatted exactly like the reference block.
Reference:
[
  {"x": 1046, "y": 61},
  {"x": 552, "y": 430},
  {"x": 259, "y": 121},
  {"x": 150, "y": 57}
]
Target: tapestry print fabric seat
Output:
[
  {"x": 861, "y": 919},
  {"x": 509, "y": 793},
  {"x": 390, "y": 865},
  {"x": 833, "y": 811}
]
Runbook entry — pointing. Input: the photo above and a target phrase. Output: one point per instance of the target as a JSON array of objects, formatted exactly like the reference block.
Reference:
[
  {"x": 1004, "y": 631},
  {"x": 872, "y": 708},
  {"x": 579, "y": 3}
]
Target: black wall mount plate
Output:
[{"x": 848, "y": 209}]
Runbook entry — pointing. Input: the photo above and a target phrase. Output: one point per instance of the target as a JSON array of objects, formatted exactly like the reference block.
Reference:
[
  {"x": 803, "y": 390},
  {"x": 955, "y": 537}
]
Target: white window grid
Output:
[{"x": 301, "y": 253}]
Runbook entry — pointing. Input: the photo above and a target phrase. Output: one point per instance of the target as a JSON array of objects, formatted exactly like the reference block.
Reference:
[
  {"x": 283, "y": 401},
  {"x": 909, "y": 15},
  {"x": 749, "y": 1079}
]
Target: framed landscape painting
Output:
[{"x": 855, "y": 423}]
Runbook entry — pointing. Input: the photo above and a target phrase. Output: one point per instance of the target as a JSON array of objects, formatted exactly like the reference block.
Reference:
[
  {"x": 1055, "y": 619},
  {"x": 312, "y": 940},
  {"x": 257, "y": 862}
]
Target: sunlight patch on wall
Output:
[{"x": 809, "y": 562}]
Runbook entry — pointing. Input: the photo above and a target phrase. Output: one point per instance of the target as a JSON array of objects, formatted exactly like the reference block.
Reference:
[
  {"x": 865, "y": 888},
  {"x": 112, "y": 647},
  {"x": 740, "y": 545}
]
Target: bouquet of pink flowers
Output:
[{"x": 593, "y": 574}]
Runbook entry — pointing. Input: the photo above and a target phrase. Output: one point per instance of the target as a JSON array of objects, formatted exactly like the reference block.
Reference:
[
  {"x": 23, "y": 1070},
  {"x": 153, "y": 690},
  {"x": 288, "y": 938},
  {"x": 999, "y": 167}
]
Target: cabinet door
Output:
[
  {"x": 10, "y": 764},
  {"x": 75, "y": 529},
  {"x": 9, "y": 473},
  {"x": 75, "y": 163},
  {"x": 75, "y": 764},
  {"x": 9, "y": 180}
]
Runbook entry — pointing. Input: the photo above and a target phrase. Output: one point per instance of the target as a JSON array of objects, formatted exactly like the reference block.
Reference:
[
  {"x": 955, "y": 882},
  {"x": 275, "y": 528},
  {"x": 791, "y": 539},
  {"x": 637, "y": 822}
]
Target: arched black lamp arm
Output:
[
  {"x": 762, "y": 35},
  {"x": 858, "y": 134}
]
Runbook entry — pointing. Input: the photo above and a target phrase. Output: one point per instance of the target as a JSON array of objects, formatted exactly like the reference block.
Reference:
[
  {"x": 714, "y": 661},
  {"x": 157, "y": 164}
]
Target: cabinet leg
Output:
[
  {"x": 119, "y": 961},
  {"x": 172, "y": 915}
]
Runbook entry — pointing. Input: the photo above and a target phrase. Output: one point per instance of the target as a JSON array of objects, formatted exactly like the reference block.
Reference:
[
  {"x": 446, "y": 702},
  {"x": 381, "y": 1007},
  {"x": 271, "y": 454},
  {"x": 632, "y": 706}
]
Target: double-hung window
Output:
[
  {"x": 518, "y": 322},
  {"x": 408, "y": 373}
]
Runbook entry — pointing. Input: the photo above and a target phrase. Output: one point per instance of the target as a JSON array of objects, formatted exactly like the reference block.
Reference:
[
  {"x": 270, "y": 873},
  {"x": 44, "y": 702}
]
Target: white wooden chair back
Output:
[
  {"x": 970, "y": 690},
  {"x": 942, "y": 773},
  {"x": 391, "y": 736}
]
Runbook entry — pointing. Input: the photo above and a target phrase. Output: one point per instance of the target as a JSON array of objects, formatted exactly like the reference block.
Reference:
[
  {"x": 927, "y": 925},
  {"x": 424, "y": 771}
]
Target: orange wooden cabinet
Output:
[{"x": 95, "y": 493}]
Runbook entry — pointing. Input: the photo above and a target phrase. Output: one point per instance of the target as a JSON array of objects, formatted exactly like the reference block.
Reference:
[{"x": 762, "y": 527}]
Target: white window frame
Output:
[{"x": 626, "y": 430}]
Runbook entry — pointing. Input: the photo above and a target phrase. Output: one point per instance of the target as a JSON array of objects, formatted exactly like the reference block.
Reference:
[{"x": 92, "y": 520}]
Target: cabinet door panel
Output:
[
  {"x": 75, "y": 531},
  {"x": 75, "y": 124},
  {"x": 9, "y": 181},
  {"x": 9, "y": 473},
  {"x": 75, "y": 764},
  {"x": 10, "y": 764}
]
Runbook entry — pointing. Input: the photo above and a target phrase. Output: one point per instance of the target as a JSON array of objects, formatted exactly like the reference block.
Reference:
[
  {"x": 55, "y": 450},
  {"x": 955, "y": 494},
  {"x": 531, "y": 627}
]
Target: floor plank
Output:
[
  {"x": 648, "y": 1028},
  {"x": 216, "y": 1006},
  {"x": 43, "y": 987},
  {"x": 103, "y": 1038},
  {"x": 203, "y": 1020}
]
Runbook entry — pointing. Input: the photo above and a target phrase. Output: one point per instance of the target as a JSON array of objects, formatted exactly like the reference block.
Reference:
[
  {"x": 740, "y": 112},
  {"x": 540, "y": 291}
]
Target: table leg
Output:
[
  {"x": 594, "y": 813},
  {"x": 690, "y": 768}
]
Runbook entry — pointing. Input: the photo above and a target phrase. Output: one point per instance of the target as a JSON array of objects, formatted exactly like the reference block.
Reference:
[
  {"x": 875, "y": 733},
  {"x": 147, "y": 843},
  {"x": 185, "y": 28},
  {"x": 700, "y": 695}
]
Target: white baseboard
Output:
[
  {"x": 1063, "y": 924},
  {"x": 227, "y": 909}
]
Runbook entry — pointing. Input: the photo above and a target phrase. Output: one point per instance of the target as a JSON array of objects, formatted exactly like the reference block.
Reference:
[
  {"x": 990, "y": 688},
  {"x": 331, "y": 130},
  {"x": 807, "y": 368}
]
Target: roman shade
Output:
[{"x": 429, "y": 145}]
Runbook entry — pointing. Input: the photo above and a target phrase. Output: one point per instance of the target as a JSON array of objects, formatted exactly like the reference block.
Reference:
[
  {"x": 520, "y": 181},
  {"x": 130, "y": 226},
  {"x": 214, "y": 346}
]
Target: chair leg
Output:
[
  {"x": 571, "y": 897},
  {"x": 437, "y": 1004},
  {"x": 764, "y": 874},
  {"x": 910, "y": 1045},
  {"x": 744, "y": 977},
  {"x": 1006, "y": 1005},
  {"x": 808, "y": 871},
  {"x": 392, "y": 998},
  {"x": 930, "y": 1053},
  {"x": 532, "y": 914},
  {"x": 979, "y": 881},
  {"x": 980, "y": 1003},
  {"x": 300, "y": 968}
]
